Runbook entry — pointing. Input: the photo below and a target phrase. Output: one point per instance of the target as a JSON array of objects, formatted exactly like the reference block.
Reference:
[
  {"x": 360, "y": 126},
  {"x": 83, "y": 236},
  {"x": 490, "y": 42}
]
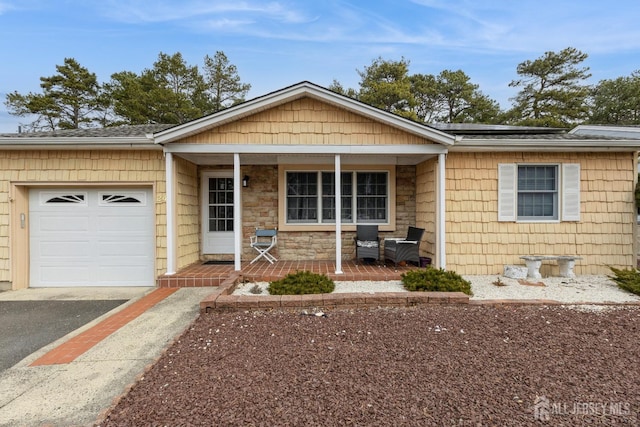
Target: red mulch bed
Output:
[{"x": 434, "y": 365}]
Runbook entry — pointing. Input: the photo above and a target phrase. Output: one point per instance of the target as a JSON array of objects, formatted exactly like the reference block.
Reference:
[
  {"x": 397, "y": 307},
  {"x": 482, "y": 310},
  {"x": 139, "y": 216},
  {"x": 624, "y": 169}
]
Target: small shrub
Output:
[
  {"x": 302, "y": 282},
  {"x": 629, "y": 280},
  {"x": 435, "y": 279},
  {"x": 255, "y": 289}
]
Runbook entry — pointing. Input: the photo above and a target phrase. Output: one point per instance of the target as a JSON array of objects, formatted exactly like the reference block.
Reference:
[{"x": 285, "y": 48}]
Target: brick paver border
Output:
[{"x": 78, "y": 345}]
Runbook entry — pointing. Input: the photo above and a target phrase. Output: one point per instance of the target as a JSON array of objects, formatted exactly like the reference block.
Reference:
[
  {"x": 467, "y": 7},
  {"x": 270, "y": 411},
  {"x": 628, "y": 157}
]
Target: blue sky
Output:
[{"x": 278, "y": 43}]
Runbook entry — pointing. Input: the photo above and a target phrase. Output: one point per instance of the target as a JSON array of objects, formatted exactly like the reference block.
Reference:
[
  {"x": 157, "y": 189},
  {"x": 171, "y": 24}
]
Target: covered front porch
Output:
[
  {"x": 410, "y": 198},
  {"x": 310, "y": 163},
  {"x": 203, "y": 274}
]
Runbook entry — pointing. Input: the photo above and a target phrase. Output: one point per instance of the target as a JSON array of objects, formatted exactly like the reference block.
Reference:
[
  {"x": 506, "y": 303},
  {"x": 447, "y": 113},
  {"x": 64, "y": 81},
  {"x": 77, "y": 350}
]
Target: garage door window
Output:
[
  {"x": 122, "y": 199},
  {"x": 60, "y": 198}
]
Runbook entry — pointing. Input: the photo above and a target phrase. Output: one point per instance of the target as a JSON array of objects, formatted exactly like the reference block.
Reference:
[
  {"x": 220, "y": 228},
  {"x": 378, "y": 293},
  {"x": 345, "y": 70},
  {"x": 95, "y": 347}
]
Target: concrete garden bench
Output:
[{"x": 565, "y": 262}]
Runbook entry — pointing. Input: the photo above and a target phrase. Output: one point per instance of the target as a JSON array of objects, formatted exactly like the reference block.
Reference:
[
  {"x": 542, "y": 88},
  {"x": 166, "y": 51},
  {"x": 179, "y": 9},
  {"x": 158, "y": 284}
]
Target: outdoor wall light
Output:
[{"x": 245, "y": 181}]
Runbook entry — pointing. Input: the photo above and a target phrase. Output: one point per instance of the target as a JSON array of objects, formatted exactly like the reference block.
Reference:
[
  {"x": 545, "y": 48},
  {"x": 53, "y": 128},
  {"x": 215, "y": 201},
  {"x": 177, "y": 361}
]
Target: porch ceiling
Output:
[{"x": 208, "y": 159}]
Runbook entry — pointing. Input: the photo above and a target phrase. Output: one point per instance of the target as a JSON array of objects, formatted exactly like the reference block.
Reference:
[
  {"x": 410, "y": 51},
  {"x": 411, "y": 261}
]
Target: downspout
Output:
[
  {"x": 170, "y": 207},
  {"x": 237, "y": 212},
  {"x": 440, "y": 239},
  {"x": 338, "y": 215}
]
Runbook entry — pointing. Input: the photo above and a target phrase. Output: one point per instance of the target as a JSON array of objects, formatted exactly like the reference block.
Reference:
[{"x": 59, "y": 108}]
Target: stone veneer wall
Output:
[
  {"x": 405, "y": 201},
  {"x": 74, "y": 167},
  {"x": 478, "y": 244},
  {"x": 260, "y": 208}
]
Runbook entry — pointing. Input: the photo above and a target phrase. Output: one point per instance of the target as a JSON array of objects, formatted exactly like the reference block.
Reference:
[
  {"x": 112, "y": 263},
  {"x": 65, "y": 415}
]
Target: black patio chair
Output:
[
  {"x": 367, "y": 243},
  {"x": 404, "y": 249}
]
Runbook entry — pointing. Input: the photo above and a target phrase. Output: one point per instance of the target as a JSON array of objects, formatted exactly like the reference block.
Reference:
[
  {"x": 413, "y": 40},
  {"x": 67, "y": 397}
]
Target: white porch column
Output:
[
  {"x": 338, "y": 215},
  {"x": 441, "y": 252},
  {"x": 171, "y": 215},
  {"x": 237, "y": 212}
]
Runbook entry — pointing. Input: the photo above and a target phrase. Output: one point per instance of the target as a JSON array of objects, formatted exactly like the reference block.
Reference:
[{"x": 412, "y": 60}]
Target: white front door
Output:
[{"x": 217, "y": 213}]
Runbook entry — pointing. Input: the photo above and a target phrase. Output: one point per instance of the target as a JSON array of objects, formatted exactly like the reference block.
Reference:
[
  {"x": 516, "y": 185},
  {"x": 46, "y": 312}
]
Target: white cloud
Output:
[
  {"x": 225, "y": 24},
  {"x": 528, "y": 25},
  {"x": 146, "y": 11},
  {"x": 5, "y": 7},
  {"x": 9, "y": 6}
]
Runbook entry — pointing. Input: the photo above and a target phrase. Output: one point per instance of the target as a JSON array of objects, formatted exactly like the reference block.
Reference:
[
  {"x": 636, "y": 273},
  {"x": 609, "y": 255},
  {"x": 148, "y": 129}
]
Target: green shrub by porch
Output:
[
  {"x": 629, "y": 280},
  {"x": 435, "y": 279},
  {"x": 302, "y": 282}
]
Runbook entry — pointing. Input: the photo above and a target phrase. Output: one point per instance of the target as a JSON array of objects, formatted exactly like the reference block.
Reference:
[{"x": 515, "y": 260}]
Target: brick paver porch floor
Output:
[{"x": 212, "y": 275}]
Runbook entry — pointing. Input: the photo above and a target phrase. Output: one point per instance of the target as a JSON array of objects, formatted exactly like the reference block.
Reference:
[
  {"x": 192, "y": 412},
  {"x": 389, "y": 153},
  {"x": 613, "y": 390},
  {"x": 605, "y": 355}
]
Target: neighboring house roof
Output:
[
  {"x": 481, "y": 137},
  {"x": 608, "y": 130},
  {"x": 295, "y": 92}
]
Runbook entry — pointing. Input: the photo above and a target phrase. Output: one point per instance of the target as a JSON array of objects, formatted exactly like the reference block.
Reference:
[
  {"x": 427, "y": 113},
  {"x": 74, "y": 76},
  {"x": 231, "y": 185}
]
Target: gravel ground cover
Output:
[
  {"x": 593, "y": 289},
  {"x": 431, "y": 366}
]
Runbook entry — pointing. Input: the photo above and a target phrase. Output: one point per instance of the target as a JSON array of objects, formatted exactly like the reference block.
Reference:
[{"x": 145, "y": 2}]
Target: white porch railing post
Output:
[
  {"x": 441, "y": 244},
  {"x": 170, "y": 208},
  {"x": 237, "y": 212},
  {"x": 338, "y": 215}
]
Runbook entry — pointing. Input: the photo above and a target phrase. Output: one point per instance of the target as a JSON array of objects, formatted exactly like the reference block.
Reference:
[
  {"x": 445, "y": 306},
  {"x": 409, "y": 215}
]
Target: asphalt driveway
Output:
[{"x": 27, "y": 326}]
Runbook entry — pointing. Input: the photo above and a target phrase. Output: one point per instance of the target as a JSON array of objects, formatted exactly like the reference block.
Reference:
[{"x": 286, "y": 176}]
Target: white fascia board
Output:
[
  {"x": 88, "y": 143},
  {"x": 306, "y": 149},
  {"x": 544, "y": 145},
  {"x": 297, "y": 92}
]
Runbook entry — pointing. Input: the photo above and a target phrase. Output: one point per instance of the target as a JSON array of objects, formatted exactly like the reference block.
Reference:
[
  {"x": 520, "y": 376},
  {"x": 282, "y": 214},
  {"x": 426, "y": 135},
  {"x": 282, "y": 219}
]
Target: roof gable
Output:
[
  {"x": 298, "y": 92},
  {"x": 307, "y": 121}
]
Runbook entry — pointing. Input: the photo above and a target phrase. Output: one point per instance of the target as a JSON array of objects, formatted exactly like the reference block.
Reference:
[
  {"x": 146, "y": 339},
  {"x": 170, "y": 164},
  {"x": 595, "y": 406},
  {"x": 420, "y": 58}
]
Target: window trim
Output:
[{"x": 329, "y": 226}]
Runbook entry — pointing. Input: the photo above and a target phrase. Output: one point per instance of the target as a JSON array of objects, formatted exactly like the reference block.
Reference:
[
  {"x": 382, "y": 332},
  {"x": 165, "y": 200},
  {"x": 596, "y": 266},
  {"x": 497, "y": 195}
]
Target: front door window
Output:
[{"x": 220, "y": 204}]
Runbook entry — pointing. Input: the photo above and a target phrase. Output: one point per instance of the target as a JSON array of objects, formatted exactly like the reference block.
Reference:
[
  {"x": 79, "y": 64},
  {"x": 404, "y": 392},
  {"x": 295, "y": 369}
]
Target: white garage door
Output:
[{"x": 91, "y": 237}]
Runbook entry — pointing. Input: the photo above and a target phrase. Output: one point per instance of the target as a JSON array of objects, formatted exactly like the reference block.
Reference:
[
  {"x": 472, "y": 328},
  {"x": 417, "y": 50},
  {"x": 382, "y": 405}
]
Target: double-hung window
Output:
[
  {"x": 539, "y": 192},
  {"x": 310, "y": 197}
]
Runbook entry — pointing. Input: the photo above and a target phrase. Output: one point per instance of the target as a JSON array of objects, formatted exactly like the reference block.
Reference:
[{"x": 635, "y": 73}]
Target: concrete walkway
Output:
[{"x": 79, "y": 391}]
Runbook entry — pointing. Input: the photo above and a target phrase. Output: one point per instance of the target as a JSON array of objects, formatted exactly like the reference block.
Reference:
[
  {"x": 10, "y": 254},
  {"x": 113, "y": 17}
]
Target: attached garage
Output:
[{"x": 91, "y": 237}]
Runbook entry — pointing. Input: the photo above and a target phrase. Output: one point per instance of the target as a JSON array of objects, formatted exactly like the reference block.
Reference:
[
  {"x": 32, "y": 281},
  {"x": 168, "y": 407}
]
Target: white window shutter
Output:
[
  {"x": 507, "y": 175},
  {"x": 571, "y": 192}
]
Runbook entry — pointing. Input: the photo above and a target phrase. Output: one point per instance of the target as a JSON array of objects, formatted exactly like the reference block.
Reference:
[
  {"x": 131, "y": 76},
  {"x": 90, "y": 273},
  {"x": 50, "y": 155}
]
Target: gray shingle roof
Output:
[
  {"x": 109, "y": 132},
  {"x": 467, "y": 132}
]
